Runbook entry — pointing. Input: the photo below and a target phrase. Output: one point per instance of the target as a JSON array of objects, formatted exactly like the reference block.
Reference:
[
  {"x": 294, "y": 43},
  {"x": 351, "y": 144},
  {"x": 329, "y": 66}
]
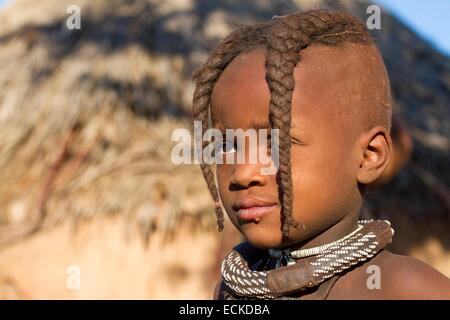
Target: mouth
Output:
[{"x": 251, "y": 209}]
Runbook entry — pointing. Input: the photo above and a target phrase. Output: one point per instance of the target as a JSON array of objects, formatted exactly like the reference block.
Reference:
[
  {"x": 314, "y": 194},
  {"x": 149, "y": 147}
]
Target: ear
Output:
[{"x": 375, "y": 148}]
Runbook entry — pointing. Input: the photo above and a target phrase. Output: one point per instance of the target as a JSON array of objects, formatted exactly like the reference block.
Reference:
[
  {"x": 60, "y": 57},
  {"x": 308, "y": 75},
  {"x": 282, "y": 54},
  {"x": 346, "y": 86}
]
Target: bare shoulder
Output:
[{"x": 391, "y": 276}]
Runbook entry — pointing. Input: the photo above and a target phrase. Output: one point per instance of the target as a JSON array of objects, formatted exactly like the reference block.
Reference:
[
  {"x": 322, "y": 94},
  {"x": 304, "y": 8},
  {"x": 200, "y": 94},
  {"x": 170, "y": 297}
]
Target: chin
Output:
[{"x": 262, "y": 238}]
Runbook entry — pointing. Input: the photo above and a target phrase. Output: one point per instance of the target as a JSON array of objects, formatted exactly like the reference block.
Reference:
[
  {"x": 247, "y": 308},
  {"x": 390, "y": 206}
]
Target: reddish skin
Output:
[{"x": 339, "y": 140}]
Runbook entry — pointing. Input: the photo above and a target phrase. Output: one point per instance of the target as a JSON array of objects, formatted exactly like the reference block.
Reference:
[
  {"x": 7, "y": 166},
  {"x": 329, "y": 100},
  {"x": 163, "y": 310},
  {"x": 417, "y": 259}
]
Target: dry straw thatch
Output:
[{"x": 85, "y": 127}]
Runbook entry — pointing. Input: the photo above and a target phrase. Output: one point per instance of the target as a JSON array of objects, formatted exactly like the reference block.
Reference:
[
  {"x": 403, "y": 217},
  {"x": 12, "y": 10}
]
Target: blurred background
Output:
[{"x": 91, "y": 205}]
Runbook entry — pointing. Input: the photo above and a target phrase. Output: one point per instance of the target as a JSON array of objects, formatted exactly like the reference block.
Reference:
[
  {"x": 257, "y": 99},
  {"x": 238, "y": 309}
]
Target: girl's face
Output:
[{"x": 324, "y": 157}]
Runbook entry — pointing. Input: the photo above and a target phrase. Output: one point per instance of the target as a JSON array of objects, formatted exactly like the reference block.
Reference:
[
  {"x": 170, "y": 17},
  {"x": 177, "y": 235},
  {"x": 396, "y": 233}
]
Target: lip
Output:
[{"x": 253, "y": 209}]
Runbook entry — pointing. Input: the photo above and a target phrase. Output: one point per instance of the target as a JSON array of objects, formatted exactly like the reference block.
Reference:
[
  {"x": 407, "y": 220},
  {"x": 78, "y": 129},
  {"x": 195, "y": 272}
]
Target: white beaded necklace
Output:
[{"x": 289, "y": 255}]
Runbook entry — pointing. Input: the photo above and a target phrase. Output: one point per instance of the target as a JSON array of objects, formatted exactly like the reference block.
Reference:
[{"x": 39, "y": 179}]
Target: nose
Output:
[{"x": 247, "y": 175}]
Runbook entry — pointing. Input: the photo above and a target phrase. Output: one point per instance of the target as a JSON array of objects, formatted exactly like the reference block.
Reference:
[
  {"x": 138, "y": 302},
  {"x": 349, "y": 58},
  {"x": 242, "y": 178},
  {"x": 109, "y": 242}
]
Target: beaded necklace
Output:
[{"x": 314, "y": 266}]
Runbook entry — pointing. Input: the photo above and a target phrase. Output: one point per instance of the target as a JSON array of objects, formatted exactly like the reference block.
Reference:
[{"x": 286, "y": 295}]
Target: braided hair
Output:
[{"x": 283, "y": 37}]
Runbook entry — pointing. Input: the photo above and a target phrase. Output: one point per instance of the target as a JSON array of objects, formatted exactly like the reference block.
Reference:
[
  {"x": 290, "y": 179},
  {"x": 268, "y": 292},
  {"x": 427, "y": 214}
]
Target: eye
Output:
[
  {"x": 297, "y": 141},
  {"x": 226, "y": 147}
]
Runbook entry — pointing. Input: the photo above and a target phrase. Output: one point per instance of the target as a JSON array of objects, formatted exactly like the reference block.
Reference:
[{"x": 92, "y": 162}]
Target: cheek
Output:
[
  {"x": 223, "y": 174},
  {"x": 320, "y": 179}
]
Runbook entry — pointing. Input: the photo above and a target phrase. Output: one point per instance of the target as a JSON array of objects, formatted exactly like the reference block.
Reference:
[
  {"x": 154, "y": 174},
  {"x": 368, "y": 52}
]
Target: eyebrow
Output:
[
  {"x": 266, "y": 125},
  {"x": 256, "y": 125}
]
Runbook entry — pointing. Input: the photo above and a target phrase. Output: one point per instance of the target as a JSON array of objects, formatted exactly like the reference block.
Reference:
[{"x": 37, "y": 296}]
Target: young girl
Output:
[{"x": 317, "y": 78}]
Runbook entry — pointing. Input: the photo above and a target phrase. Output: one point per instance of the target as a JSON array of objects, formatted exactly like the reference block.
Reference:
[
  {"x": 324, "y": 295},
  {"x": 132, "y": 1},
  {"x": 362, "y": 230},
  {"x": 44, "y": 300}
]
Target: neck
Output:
[{"x": 337, "y": 231}]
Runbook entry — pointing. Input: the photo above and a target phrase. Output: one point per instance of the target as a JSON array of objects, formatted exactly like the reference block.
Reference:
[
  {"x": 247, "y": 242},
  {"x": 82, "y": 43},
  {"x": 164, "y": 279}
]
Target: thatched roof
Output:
[{"x": 86, "y": 115}]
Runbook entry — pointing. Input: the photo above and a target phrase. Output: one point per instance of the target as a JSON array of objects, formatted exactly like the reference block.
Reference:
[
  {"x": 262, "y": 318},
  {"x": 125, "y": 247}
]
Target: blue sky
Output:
[{"x": 431, "y": 19}]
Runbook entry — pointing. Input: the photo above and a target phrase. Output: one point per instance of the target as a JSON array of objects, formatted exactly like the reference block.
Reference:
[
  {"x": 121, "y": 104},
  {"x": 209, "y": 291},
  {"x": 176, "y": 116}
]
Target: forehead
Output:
[
  {"x": 241, "y": 95},
  {"x": 330, "y": 84}
]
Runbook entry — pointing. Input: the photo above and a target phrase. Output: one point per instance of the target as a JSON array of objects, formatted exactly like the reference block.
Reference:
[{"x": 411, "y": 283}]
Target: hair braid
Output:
[
  {"x": 279, "y": 76},
  {"x": 283, "y": 37},
  {"x": 239, "y": 40}
]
